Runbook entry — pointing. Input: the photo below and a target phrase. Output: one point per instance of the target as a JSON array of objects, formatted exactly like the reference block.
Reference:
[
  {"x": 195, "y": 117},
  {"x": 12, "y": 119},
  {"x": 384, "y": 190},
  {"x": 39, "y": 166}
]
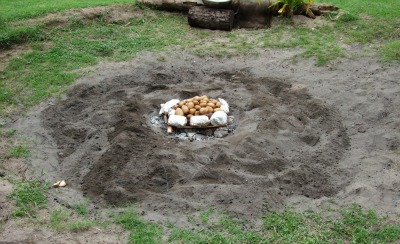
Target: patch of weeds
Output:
[
  {"x": 29, "y": 196},
  {"x": 391, "y": 51},
  {"x": 319, "y": 43},
  {"x": 2, "y": 23},
  {"x": 191, "y": 220},
  {"x": 141, "y": 231},
  {"x": 365, "y": 226},
  {"x": 2, "y": 225},
  {"x": 162, "y": 58},
  {"x": 347, "y": 17},
  {"x": 7, "y": 133},
  {"x": 290, "y": 226},
  {"x": 354, "y": 226},
  {"x": 80, "y": 208},
  {"x": 217, "y": 227},
  {"x": 58, "y": 218},
  {"x": 19, "y": 151},
  {"x": 186, "y": 236},
  {"x": 75, "y": 23},
  {"x": 62, "y": 219},
  {"x": 81, "y": 225},
  {"x": 205, "y": 215},
  {"x": 17, "y": 35}
]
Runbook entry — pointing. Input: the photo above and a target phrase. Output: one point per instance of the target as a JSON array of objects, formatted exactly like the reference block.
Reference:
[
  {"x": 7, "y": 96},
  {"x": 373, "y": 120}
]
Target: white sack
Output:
[
  {"x": 168, "y": 106},
  {"x": 224, "y": 105},
  {"x": 171, "y": 112},
  {"x": 199, "y": 120},
  {"x": 219, "y": 118},
  {"x": 177, "y": 120}
]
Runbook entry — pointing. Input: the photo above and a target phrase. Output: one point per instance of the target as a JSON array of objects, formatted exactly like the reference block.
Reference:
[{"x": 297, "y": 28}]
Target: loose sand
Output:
[{"x": 306, "y": 136}]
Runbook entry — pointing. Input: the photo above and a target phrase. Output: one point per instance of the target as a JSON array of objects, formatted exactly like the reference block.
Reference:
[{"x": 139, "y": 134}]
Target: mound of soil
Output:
[{"x": 286, "y": 143}]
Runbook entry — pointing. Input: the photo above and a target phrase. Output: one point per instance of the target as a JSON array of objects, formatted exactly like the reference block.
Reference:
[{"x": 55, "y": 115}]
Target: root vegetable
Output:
[
  {"x": 190, "y": 105},
  {"x": 179, "y": 111},
  {"x": 211, "y": 105},
  {"x": 204, "y": 111},
  {"x": 185, "y": 109}
]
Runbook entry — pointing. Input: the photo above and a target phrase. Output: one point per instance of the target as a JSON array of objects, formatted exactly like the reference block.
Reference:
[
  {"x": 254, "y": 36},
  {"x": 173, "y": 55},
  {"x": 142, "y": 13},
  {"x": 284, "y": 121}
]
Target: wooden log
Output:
[
  {"x": 171, "y": 5},
  {"x": 209, "y": 18},
  {"x": 169, "y": 129},
  {"x": 316, "y": 10},
  {"x": 178, "y": 5},
  {"x": 255, "y": 14}
]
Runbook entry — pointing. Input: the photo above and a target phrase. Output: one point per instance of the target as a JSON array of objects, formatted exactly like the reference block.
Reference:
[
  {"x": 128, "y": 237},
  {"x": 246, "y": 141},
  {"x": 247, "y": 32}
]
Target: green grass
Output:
[
  {"x": 29, "y": 196},
  {"x": 57, "y": 53},
  {"x": 45, "y": 72},
  {"x": 7, "y": 133},
  {"x": 58, "y": 218},
  {"x": 81, "y": 225},
  {"x": 391, "y": 50},
  {"x": 18, "y": 9},
  {"x": 354, "y": 225},
  {"x": 19, "y": 151},
  {"x": 61, "y": 219},
  {"x": 141, "y": 231},
  {"x": 387, "y": 9},
  {"x": 80, "y": 208}
]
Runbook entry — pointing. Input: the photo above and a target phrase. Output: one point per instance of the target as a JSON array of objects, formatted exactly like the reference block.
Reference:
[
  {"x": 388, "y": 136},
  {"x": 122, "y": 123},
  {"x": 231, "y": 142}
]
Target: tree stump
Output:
[{"x": 209, "y": 18}]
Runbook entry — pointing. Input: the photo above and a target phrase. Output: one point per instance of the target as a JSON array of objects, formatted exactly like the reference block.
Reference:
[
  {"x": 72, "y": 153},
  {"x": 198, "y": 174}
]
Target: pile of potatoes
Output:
[{"x": 198, "y": 105}]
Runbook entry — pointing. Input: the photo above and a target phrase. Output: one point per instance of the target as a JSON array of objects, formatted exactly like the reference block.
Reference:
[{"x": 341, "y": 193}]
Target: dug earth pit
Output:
[{"x": 286, "y": 143}]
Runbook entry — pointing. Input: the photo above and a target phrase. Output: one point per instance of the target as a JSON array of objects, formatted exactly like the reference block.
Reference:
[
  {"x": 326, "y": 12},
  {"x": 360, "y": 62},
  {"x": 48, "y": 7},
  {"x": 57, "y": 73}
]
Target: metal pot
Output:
[{"x": 217, "y": 3}]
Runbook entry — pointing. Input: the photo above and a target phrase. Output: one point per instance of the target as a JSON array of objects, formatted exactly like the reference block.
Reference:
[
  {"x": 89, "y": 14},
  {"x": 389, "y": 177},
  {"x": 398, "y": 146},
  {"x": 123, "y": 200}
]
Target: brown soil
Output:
[
  {"x": 305, "y": 136},
  {"x": 309, "y": 138},
  {"x": 110, "y": 149},
  {"x": 109, "y": 14}
]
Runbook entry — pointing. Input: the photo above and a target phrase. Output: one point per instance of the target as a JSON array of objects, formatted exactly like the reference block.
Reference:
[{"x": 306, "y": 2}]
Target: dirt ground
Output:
[{"x": 305, "y": 136}]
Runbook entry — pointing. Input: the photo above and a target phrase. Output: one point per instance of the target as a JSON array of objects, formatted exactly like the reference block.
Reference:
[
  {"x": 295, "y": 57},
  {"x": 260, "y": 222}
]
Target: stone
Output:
[{"x": 221, "y": 133}]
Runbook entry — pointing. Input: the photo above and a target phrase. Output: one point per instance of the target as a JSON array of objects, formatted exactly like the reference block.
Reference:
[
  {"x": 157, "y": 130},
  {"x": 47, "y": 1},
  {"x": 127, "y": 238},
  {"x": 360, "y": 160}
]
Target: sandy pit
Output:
[{"x": 304, "y": 136}]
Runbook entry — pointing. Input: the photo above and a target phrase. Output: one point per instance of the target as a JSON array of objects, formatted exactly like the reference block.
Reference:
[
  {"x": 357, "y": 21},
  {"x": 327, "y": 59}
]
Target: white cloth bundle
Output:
[
  {"x": 219, "y": 118},
  {"x": 177, "y": 120},
  {"x": 199, "y": 120},
  {"x": 224, "y": 105},
  {"x": 168, "y": 106}
]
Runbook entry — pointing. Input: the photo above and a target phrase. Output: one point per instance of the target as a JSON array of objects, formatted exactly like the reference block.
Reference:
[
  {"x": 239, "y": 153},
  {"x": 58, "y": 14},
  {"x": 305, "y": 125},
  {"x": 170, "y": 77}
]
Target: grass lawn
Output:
[
  {"x": 56, "y": 53},
  {"x": 19, "y": 9}
]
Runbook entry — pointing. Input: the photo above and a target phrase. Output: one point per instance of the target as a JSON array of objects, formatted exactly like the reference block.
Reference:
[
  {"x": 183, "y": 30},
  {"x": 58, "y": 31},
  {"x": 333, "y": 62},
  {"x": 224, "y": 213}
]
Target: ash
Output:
[{"x": 194, "y": 134}]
